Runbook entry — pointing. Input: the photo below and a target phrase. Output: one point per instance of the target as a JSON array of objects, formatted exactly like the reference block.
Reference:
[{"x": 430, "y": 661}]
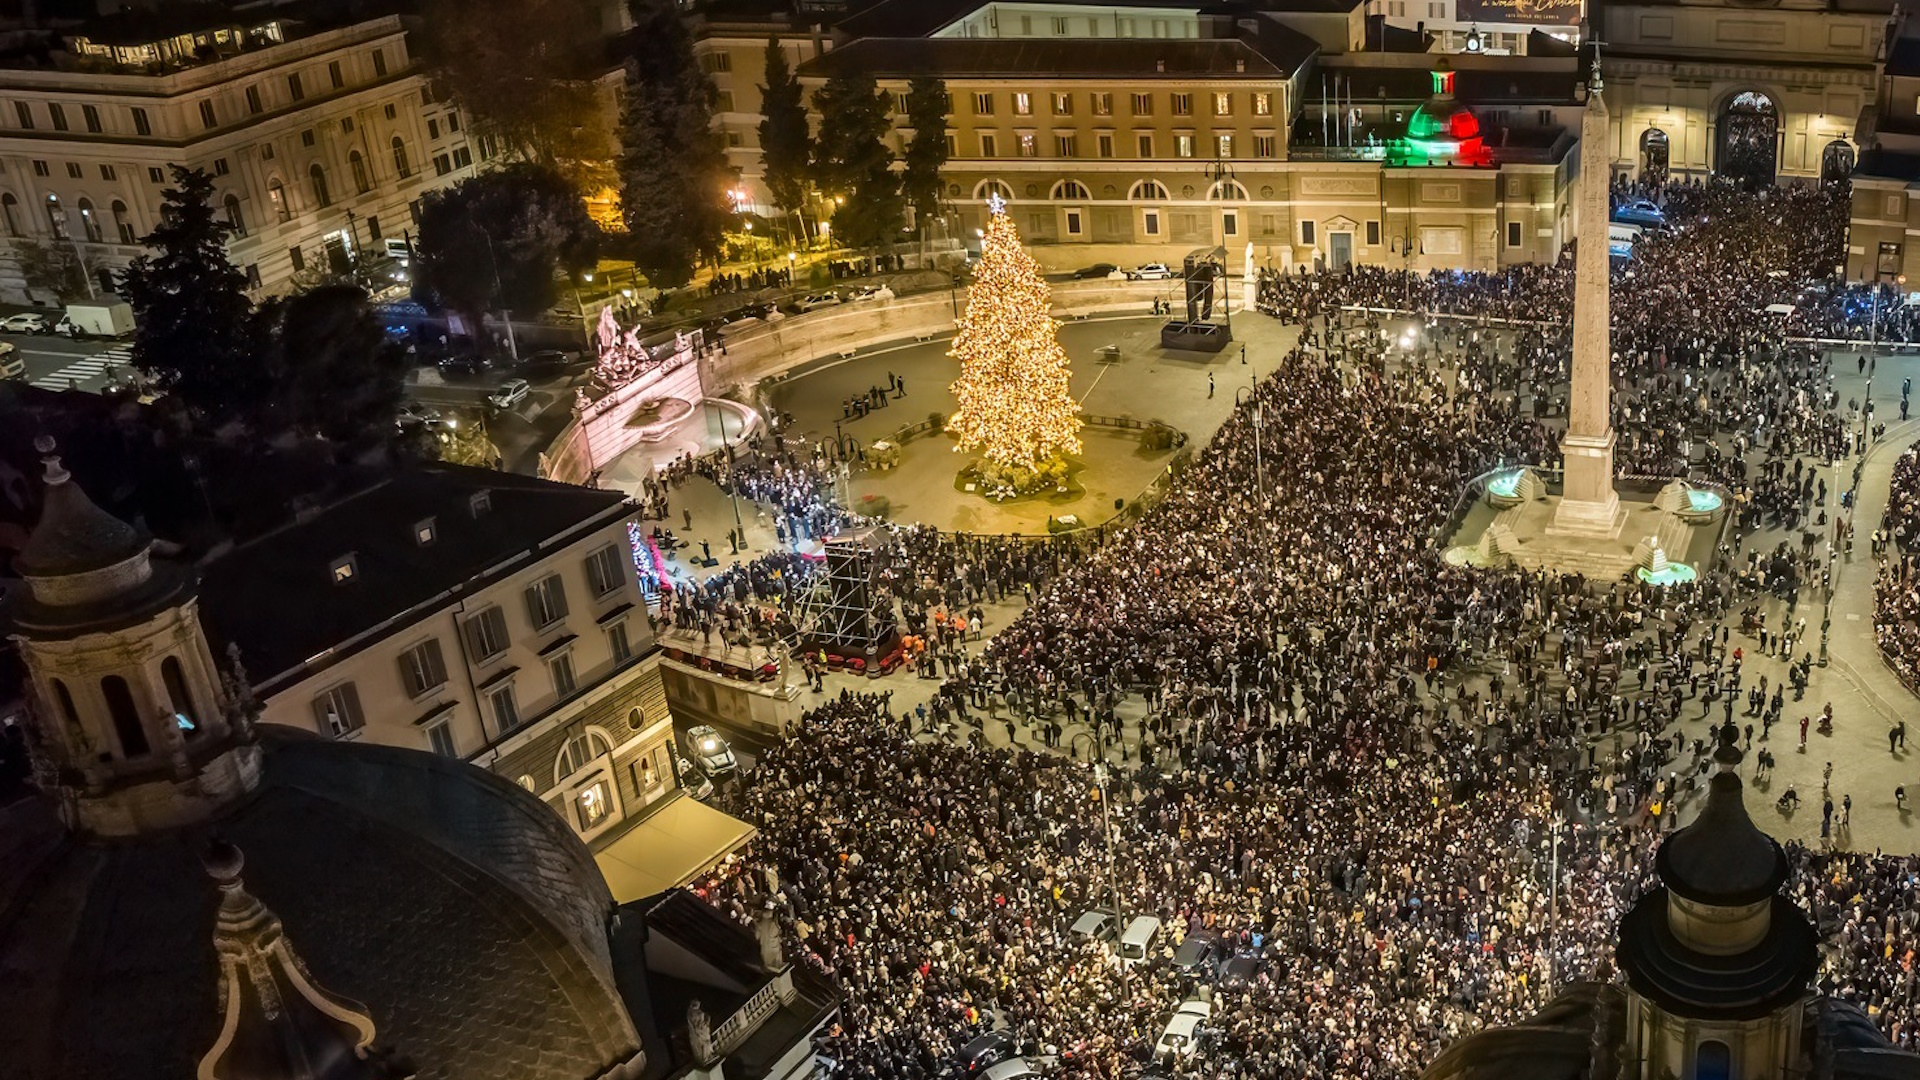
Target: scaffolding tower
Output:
[{"x": 848, "y": 614}]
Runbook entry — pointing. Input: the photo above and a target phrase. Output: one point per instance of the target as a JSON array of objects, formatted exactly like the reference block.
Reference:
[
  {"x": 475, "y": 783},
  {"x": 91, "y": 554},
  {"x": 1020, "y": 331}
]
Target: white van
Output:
[{"x": 1138, "y": 940}]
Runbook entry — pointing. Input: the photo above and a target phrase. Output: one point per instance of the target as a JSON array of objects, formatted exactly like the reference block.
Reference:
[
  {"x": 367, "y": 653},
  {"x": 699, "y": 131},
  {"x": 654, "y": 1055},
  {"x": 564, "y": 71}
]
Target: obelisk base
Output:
[{"x": 1588, "y": 505}]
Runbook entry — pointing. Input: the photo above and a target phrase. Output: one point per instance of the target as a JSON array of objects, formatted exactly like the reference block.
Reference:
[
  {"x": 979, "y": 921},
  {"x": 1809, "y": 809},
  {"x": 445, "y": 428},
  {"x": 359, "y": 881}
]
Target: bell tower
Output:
[{"x": 135, "y": 727}]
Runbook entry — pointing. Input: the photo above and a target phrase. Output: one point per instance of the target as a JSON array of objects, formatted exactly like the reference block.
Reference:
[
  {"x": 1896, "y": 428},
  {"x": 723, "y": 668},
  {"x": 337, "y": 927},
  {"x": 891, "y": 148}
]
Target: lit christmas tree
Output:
[{"x": 1014, "y": 405}]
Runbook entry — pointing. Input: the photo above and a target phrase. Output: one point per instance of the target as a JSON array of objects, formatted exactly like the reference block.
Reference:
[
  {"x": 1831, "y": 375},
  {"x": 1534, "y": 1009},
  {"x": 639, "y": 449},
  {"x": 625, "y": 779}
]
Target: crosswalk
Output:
[{"x": 93, "y": 367}]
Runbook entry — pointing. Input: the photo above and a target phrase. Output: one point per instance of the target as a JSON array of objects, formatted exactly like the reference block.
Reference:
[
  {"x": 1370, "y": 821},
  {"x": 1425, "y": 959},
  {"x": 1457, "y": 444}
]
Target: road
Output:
[{"x": 56, "y": 363}]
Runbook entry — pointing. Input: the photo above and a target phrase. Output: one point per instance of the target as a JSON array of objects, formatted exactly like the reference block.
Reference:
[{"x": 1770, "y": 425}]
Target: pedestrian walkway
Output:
[{"x": 100, "y": 366}]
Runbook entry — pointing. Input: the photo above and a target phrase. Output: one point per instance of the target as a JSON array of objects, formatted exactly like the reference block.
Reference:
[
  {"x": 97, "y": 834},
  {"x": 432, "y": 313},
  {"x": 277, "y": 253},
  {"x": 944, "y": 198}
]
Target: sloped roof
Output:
[{"x": 1065, "y": 58}]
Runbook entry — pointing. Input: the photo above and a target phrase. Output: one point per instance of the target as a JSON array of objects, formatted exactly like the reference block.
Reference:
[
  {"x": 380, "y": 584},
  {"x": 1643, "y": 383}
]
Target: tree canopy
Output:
[
  {"x": 334, "y": 372},
  {"x": 851, "y": 160},
  {"x": 673, "y": 170},
  {"x": 926, "y": 152},
  {"x": 497, "y": 239},
  {"x": 786, "y": 144},
  {"x": 524, "y": 68},
  {"x": 193, "y": 322}
]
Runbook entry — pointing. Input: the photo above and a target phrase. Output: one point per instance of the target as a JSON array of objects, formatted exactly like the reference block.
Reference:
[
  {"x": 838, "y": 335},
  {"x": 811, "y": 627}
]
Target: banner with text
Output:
[{"x": 1534, "y": 12}]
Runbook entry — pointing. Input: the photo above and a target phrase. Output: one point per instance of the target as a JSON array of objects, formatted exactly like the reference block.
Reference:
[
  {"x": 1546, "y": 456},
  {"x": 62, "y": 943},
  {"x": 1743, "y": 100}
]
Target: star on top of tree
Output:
[{"x": 996, "y": 204}]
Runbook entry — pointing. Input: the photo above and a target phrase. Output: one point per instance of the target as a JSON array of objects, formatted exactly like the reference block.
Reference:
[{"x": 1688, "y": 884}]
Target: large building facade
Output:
[{"x": 320, "y": 142}]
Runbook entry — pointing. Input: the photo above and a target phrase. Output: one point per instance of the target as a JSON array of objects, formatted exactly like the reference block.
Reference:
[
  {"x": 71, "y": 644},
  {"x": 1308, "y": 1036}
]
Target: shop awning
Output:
[{"x": 670, "y": 848}]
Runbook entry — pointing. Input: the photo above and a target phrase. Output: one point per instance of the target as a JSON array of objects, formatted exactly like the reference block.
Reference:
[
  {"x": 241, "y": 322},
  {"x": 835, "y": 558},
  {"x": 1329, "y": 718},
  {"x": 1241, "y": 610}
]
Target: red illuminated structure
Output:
[{"x": 1443, "y": 131}]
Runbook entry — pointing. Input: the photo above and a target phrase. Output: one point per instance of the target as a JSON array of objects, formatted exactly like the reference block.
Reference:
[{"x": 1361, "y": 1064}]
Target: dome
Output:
[
  {"x": 461, "y": 913},
  {"x": 1722, "y": 858},
  {"x": 1444, "y": 131},
  {"x": 73, "y": 536}
]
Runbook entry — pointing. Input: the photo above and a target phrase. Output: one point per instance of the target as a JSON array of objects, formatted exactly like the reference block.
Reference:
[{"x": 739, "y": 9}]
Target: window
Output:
[
  {"x": 126, "y": 716},
  {"x": 1223, "y": 145},
  {"x": 1103, "y": 144},
  {"x": 1183, "y": 104},
  {"x": 1229, "y": 223},
  {"x": 373, "y": 234},
  {"x": 604, "y": 571},
  {"x": 337, "y": 711},
  {"x": 433, "y": 128},
  {"x": 561, "y": 668},
  {"x": 1029, "y": 146},
  {"x": 617, "y": 643},
  {"x": 337, "y": 76},
  {"x": 1373, "y": 234},
  {"x": 400, "y": 163},
  {"x": 1022, "y": 103},
  {"x": 1059, "y": 27},
  {"x": 580, "y": 752},
  {"x": 59, "y": 114},
  {"x": 185, "y": 714},
  {"x": 723, "y": 103},
  {"x": 983, "y": 104},
  {"x": 306, "y": 138},
  {"x": 253, "y": 275},
  {"x": 1143, "y": 144},
  {"x": 953, "y": 146},
  {"x": 440, "y": 739},
  {"x": 298, "y": 259},
  {"x": 142, "y": 125},
  {"x": 546, "y": 601},
  {"x": 206, "y": 115},
  {"x": 1102, "y": 103},
  {"x": 1513, "y": 234},
  {"x": 1263, "y": 104},
  {"x": 254, "y": 104},
  {"x": 723, "y": 61},
  {"x": 1069, "y": 191},
  {"x": 1073, "y": 222},
  {"x": 10, "y": 206},
  {"x": 89, "y": 222},
  {"x": 442, "y": 164},
  {"x": 24, "y": 113},
  {"x": 487, "y": 633},
  {"x": 423, "y": 668},
  {"x": 1150, "y": 222},
  {"x": 1063, "y": 104},
  {"x": 506, "y": 710},
  {"x": 40, "y": 168},
  {"x": 122, "y": 223},
  {"x": 1306, "y": 233},
  {"x": 361, "y": 181},
  {"x": 346, "y": 125},
  {"x": 391, "y": 112},
  {"x": 74, "y": 171},
  {"x": 1222, "y": 103},
  {"x": 277, "y": 195},
  {"x": 1143, "y": 104},
  {"x": 220, "y": 167},
  {"x": 462, "y": 157},
  {"x": 1183, "y": 144},
  {"x": 1263, "y": 146},
  {"x": 294, "y": 89},
  {"x": 91, "y": 117},
  {"x": 380, "y": 68},
  {"x": 56, "y": 217},
  {"x": 988, "y": 146},
  {"x": 317, "y": 178},
  {"x": 156, "y": 175},
  {"x": 343, "y": 569},
  {"x": 1066, "y": 146},
  {"x": 1147, "y": 191},
  {"x": 106, "y": 172}
]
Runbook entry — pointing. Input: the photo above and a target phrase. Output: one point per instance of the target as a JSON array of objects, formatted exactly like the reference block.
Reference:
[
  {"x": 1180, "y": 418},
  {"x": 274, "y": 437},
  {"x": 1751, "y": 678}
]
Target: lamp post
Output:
[{"x": 1252, "y": 390}]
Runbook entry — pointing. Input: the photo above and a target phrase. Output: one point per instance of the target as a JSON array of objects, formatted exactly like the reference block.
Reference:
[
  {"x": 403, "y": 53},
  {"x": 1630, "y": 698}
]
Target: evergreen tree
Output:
[
  {"x": 51, "y": 268},
  {"x": 851, "y": 160},
  {"x": 1014, "y": 404},
  {"x": 673, "y": 171},
  {"x": 926, "y": 152},
  {"x": 193, "y": 324},
  {"x": 786, "y": 145},
  {"x": 335, "y": 373},
  {"x": 495, "y": 241},
  {"x": 524, "y": 69}
]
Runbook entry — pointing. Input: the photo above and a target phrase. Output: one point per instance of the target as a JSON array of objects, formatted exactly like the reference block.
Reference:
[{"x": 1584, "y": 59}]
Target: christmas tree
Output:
[{"x": 1014, "y": 406}]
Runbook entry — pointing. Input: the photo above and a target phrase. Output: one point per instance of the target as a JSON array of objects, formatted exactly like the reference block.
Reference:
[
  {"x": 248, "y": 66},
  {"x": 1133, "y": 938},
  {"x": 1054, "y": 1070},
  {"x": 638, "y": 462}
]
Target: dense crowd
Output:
[
  {"x": 1897, "y": 591},
  {"x": 1355, "y": 763}
]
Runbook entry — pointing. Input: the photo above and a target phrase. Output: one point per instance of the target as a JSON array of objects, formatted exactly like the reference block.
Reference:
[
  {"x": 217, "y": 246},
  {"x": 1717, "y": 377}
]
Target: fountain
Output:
[
  {"x": 1513, "y": 487},
  {"x": 1694, "y": 505},
  {"x": 1652, "y": 567}
]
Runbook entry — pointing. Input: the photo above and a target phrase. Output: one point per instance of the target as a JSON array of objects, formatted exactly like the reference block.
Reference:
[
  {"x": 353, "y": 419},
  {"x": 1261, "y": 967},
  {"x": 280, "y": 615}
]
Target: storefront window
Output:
[{"x": 593, "y": 804}]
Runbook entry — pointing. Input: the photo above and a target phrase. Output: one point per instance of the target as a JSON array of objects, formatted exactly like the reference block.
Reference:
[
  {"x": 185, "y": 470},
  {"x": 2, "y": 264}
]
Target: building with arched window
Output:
[{"x": 304, "y": 127}]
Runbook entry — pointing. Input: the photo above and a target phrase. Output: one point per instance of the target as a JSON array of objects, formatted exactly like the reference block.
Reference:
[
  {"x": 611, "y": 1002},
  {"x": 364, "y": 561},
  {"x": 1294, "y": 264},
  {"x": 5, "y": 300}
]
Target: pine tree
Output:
[
  {"x": 673, "y": 170},
  {"x": 193, "y": 323},
  {"x": 1015, "y": 408},
  {"x": 786, "y": 145},
  {"x": 851, "y": 160},
  {"x": 926, "y": 152}
]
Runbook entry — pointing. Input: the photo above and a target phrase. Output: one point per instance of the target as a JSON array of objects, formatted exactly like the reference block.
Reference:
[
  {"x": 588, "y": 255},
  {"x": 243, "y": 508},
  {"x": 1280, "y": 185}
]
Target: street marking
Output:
[{"x": 92, "y": 367}]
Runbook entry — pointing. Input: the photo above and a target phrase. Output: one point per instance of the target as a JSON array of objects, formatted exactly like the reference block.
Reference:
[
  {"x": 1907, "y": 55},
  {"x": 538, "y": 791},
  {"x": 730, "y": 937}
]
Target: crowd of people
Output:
[{"x": 1357, "y": 764}]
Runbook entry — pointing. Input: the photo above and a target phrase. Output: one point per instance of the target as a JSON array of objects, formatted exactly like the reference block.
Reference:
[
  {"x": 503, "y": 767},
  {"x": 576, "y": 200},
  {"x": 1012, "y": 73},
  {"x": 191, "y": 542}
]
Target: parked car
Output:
[
  {"x": 1017, "y": 1068},
  {"x": 985, "y": 1051},
  {"x": 692, "y": 780},
  {"x": 1182, "y": 1035},
  {"x": 1200, "y": 953},
  {"x": 1640, "y": 212},
  {"x": 26, "y": 322},
  {"x": 710, "y": 750},
  {"x": 511, "y": 393},
  {"x": 1149, "y": 272},
  {"x": 1097, "y": 270},
  {"x": 1099, "y": 924},
  {"x": 12, "y": 364},
  {"x": 816, "y": 300},
  {"x": 869, "y": 292},
  {"x": 548, "y": 364},
  {"x": 413, "y": 415},
  {"x": 1238, "y": 972},
  {"x": 464, "y": 366},
  {"x": 753, "y": 309}
]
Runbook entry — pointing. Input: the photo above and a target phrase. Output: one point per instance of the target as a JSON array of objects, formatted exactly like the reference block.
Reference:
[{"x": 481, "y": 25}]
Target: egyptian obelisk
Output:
[{"x": 1589, "y": 505}]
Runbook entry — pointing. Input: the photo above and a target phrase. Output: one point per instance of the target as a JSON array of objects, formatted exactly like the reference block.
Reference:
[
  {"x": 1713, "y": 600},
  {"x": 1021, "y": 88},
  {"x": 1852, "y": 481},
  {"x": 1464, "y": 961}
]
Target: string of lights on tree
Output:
[{"x": 1014, "y": 406}]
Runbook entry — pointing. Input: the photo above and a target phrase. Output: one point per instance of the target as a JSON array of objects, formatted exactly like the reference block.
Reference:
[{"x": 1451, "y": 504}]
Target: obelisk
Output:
[{"x": 1589, "y": 506}]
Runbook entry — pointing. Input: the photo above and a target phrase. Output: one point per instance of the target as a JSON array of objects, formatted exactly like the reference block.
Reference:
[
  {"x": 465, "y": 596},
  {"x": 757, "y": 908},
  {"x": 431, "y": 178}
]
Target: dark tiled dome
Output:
[
  {"x": 460, "y": 911},
  {"x": 1722, "y": 858},
  {"x": 73, "y": 535}
]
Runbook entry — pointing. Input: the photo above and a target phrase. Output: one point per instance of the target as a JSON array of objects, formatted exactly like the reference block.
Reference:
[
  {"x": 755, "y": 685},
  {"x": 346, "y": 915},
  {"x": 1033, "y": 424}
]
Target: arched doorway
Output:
[
  {"x": 1749, "y": 140},
  {"x": 1653, "y": 154},
  {"x": 1713, "y": 1061},
  {"x": 1836, "y": 162}
]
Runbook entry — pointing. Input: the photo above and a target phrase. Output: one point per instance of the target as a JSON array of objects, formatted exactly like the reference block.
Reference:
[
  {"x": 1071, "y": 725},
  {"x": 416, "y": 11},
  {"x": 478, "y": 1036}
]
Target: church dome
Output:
[
  {"x": 460, "y": 912},
  {"x": 1443, "y": 131},
  {"x": 1722, "y": 858},
  {"x": 74, "y": 536}
]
